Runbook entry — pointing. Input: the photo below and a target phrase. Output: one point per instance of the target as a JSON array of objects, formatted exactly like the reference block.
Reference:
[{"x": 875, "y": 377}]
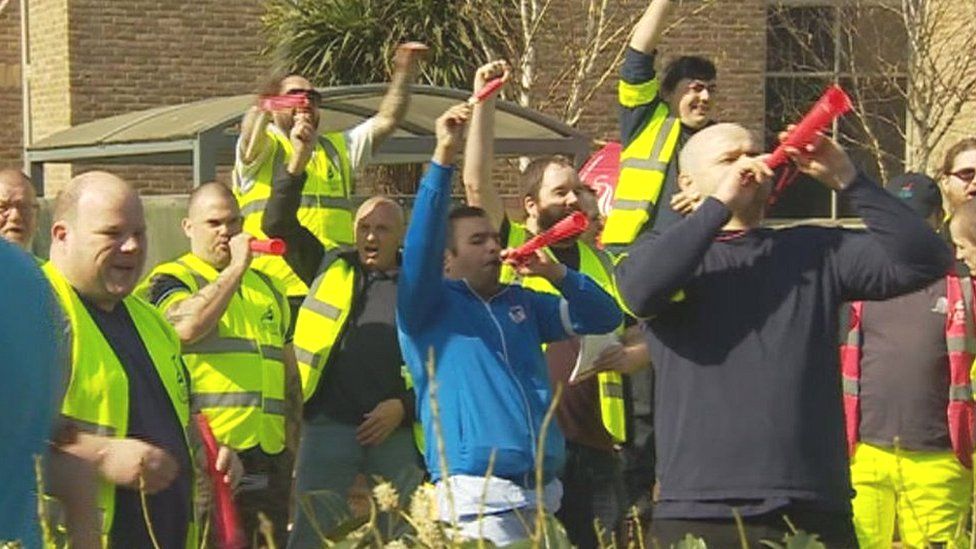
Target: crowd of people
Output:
[{"x": 801, "y": 378}]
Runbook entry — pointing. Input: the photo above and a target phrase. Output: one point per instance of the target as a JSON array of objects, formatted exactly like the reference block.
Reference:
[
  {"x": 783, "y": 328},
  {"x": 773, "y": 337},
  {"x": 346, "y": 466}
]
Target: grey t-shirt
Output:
[{"x": 905, "y": 371}]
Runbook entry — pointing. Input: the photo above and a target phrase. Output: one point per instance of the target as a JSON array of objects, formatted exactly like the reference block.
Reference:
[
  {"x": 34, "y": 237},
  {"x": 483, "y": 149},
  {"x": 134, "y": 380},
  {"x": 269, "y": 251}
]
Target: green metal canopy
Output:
[{"x": 203, "y": 133}]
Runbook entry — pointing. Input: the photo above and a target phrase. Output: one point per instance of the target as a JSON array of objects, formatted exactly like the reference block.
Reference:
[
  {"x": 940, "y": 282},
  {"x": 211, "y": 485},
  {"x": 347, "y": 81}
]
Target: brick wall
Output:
[
  {"x": 730, "y": 32},
  {"x": 10, "y": 88},
  {"x": 97, "y": 58}
]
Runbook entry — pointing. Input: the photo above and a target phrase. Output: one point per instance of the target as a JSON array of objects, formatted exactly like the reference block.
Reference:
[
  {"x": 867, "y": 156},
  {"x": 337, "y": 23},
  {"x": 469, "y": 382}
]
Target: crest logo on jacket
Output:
[{"x": 517, "y": 314}]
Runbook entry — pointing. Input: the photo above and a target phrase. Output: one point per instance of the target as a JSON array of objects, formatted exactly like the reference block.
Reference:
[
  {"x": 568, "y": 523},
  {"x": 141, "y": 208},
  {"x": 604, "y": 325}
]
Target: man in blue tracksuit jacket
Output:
[{"x": 484, "y": 339}]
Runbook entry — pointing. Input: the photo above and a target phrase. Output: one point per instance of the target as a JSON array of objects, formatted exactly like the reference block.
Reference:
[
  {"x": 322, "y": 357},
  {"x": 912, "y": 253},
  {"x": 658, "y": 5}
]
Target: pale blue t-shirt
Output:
[{"x": 30, "y": 391}]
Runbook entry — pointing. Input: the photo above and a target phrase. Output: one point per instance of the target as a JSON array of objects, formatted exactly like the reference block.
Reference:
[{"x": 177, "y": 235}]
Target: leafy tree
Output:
[{"x": 336, "y": 42}]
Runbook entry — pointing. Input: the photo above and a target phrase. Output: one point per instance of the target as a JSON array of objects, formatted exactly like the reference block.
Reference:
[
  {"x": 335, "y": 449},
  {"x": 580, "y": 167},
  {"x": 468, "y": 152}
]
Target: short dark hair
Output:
[
  {"x": 457, "y": 213},
  {"x": 686, "y": 66},
  {"x": 530, "y": 180}
]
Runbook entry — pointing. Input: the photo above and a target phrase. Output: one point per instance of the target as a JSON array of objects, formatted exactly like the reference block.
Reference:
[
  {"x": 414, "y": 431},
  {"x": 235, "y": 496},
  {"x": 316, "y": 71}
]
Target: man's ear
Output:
[
  {"x": 59, "y": 231},
  {"x": 186, "y": 224},
  {"x": 530, "y": 206},
  {"x": 684, "y": 182}
]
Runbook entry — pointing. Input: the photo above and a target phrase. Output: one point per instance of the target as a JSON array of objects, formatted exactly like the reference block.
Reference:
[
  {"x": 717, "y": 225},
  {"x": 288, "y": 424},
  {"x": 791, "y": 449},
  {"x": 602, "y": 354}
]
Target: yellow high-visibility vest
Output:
[
  {"x": 237, "y": 370},
  {"x": 321, "y": 320},
  {"x": 643, "y": 166},
  {"x": 326, "y": 208},
  {"x": 97, "y": 398},
  {"x": 598, "y": 266}
]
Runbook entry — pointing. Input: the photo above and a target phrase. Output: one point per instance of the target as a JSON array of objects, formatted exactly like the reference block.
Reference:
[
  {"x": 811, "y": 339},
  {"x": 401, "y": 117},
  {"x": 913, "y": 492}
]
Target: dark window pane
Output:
[
  {"x": 873, "y": 40},
  {"x": 875, "y": 139},
  {"x": 787, "y": 100},
  {"x": 800, "y": 39}
]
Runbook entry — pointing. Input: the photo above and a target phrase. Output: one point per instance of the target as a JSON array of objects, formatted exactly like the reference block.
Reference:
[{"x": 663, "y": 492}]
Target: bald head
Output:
[
  {"x": 713, "y": 145},
  {"x": 207, "y": 192},
  {"x": 86, "y": 187},
  {"x": 18, "y": 208},
  {"x": 212, "y": 219},
  {"x": 379, "y": 227},
  {"x": 98, "y": 237}
]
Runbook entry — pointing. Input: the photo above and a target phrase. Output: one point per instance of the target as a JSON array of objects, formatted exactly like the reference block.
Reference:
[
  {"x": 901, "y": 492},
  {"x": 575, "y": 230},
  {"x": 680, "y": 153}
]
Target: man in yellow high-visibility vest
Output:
[
  {"x": 233, "y": 323},
  {"x": 127, "y": 399},
  {"x": 18, "y": 208},
  {"x": 591, "y": 413},
  {"x": 330, "y": 160},
  {"x": 657, "y": 116}
]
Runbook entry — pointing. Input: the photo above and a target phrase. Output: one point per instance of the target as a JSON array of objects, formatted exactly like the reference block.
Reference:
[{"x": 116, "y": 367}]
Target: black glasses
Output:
[
  {"x": 313, "y": 96},
  {"x": 698, "y": 86},
  {"x": 966, "y": 174}
]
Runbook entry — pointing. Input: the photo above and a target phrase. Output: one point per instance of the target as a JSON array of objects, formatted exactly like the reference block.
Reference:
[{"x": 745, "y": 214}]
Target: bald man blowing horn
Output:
[
  {"x": 742, "y": 326},
  {"x": 127, "y": 400}
]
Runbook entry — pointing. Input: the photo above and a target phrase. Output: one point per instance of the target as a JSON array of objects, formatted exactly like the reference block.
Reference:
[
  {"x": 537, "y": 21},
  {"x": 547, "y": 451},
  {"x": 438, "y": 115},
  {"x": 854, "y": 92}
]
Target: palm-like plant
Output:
[{"x": 335, "y": 42}]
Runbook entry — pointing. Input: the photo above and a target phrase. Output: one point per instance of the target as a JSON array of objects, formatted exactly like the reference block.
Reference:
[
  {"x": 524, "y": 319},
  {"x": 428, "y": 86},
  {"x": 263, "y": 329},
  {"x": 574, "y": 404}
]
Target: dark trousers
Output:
[
  {"x": 265, "y": 488},
  {"x": 835, "y": 530},
  {"x": 593, "y": 489}
]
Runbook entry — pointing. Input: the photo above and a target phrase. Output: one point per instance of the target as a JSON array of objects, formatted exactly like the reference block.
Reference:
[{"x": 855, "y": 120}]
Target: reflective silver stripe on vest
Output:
[
  {"x": 611, "y": 390},
  {"x": 307, "y": 201},
  {"x": 624, "y": 204},
  {"x": 219, "y": 345},
  {"x": 88, "y": 426},
  {"x": 304, "y": 356},
  {"x": 227, "y": 400},
  {"x": 274, "y": 406},
  {"x": 271, "y": 352},
  {"x": 662, "y": 137},
  {"x": 331, "y": 152},
  {"x": 961, "y": 392},
  {"x": 650, "y": 164},
  {"x": 325, "y": 309},
  {"x": 956, "y": 344},
  {"x": 851, "y": 386}
]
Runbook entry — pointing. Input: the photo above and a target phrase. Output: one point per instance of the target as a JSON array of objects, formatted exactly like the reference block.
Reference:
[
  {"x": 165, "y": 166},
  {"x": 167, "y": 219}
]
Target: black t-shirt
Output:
[
  {"x": 365, "y": 368},
  {"x": 747, "y": 381},
  {"x": 152, "y": 419},
  {"x": 905, "y": 371}
]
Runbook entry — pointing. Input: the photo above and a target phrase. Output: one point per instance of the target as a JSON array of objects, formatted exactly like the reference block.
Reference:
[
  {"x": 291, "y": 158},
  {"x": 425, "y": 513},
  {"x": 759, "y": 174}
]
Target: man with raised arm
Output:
[
  {"x": 477, "y": 343},
  {"x": 329, "y": 160},
  {"x": 657, "y": 117},
  {"x": 742, "y": 323},
  {"x": 358, "y": 409},
  {"x": 591, "y": 412}
]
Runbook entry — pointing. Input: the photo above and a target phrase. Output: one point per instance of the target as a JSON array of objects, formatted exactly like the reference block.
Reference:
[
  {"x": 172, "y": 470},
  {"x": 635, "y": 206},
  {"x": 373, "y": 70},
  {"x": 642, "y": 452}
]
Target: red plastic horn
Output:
[
  {"x": 229, "y": 533},
  {"x": 271, "y": 246},
  {"x": 568, "y": 227},
  {"x": 484, "y": 93},
  {"x": 272, "y": 103},
  {"x": 832, "y": 104}
]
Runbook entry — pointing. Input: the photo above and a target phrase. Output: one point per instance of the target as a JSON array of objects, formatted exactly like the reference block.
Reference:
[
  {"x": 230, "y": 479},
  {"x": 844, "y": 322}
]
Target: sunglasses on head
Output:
[
  {"x": 313, "y": 96},
  {"x": 965, "y": 174}
]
